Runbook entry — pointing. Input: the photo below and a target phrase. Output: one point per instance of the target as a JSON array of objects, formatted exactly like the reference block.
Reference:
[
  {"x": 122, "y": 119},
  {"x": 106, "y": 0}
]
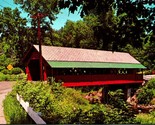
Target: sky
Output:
[{"x": 57, "y": 24}]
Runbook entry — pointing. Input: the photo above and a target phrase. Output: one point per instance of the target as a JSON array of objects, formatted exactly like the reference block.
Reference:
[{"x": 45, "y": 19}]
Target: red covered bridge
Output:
[{"x": 84, "y": 67}]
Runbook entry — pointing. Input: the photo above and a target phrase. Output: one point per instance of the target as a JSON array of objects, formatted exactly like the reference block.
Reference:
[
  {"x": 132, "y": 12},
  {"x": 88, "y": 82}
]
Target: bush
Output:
[
  {"x": 55, "y": 104},
  {"x": 151, "y": 84},
  {"x": 13, "y": 111},
  {"x": 124, "y": 113},
  {"x": 2, "y": 67},
  {"x": 147, "y": 92},
  {"x": 60, "y": 105},
  {"x": 6, "y": 71},
  {"x": 7, "y": 77},
  {"x": 146, "y": 118},
  {"x": 16, "y": 70},
  {"x": 145, "y": 96},
  {"x": 3, "y": 77}
]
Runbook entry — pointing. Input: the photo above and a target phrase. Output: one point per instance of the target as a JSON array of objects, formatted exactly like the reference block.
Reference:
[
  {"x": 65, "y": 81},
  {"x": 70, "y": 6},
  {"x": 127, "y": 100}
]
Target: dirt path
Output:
[{"x": 5, "y": 87}]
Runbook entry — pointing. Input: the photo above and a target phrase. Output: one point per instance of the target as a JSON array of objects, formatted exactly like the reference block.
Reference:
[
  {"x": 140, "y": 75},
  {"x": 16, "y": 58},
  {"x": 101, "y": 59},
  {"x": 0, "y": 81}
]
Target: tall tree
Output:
[
  {"x": 12, "y": 28},
  {"x": 46, "y": 7},
  {"x": 43, "y": 6},
  {"x": 121, "y": 23},
  {"x": 79, "y": 34},
  {"x": 137, "y": 18}
]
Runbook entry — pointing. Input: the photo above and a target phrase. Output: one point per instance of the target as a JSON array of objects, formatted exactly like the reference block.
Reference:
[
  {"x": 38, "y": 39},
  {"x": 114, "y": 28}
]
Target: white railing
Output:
[{"x": 37, "y": 119}]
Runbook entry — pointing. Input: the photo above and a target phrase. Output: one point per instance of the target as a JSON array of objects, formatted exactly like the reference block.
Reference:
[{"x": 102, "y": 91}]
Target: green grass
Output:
[{"x": 14, "y": 113}]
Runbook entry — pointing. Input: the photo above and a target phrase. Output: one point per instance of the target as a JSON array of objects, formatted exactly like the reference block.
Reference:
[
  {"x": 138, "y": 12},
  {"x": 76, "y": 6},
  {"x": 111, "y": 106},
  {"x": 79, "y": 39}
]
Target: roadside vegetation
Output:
[
  {"x": 147, "y": 93},
  {"x": 11, "y": 75},
  {"x": 14, "y": 113},
  {"x": 146, "y": 99},
  {"x": 60, "y": 105}
]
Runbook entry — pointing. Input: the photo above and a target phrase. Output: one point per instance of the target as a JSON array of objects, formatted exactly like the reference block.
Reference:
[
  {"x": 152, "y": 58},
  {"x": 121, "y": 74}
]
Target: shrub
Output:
[
  {"x": 16, "y": 70},
  {"x": 151, "y": 84},
  {"x": 60, "y": 105},
  {"x": 2, "y": 67},
  {"x": 3, "y": 77},
  {"x": 7, "y": 77},
  {"x": 6, "y": 71},
  {"x": 146, "y": 118},
  {"x": 116, "y": 98},
  {"x": 55, "y": 104},
  {"x": 152, "y": 102},
  {"x": 13, "y": 112},
  {"x": 13, "y": 77},
  {"x": 145, "y": 96},
  {"x": 147, "y": 92},
  {"x": 124, "y": 113}
]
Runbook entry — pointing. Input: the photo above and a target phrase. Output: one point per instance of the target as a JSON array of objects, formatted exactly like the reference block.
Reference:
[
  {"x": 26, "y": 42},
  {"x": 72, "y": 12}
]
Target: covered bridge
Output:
[{"x": 84, "y": 67}]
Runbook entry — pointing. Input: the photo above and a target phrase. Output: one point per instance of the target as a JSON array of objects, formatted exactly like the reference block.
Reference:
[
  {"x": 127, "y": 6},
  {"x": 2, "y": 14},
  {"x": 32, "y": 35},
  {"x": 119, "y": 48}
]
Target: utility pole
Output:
[{"x": 39, "y": 16}]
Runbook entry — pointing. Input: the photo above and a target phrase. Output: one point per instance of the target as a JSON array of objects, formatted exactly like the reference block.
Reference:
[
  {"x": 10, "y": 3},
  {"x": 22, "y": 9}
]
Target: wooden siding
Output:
[{"x": 92, "y": 80}]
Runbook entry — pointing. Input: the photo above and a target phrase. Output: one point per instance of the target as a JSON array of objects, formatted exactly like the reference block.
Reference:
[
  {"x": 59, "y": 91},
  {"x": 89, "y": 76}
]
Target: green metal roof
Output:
[{"x": 61, "y": 64}]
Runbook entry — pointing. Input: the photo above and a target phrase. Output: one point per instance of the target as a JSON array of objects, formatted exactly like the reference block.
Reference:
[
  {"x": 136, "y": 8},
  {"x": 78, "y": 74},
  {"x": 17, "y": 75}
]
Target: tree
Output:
[
  {"x": 136, "y": 19},
  {"x": 49, "y": 10},
  {"x": 12, "y": 29},
  {"x": 146, "y": 53},
  {"x": 79, "y": 34},
  {"x": 16, "y": 37},
  {"x": 44, "y": 6},
  {"x": 75, "y": 33},
  {"x": 149, "y": 52},
  {"x": 122, "y": 21}
]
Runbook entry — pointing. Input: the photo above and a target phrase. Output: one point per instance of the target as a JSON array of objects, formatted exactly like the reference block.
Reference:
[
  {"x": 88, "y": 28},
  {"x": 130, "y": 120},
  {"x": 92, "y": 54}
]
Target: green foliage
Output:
[
  {"x": 147, "y": 72},
  {"x": 31, "y": 7},
  {"x": 56, "y": 107},
  {"x": 147, "y": 92},
  {"x": 149, "y": 52},
  {"x": 151, "y": 84},
  {"x": 145, "y": 54},
  {"x": 6, "y": 71},
  {"x": 122, "y": 21},
  {"x": 13, "y": 111},
  {"x": 4, "y": 60},
  {"x": 145, "y": 96},
  {"x": 16, "y": 70},
  {"x": 7, "y": 77},
  {"x": 11, "y": 75},
  {"x": 146, "y": 118},
  {"x": 60, "y": 105},
  {"x": 116, "y": 100},
  {"x": 12, "y": 41},
  {"x": 3, "y": 77},
  {"x": 2, "y": 67},
  {"x": 79, "y": 34}
]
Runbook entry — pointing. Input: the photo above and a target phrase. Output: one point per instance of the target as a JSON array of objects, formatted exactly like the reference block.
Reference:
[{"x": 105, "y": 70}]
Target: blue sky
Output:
[{"x": 57, "y": 24}]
